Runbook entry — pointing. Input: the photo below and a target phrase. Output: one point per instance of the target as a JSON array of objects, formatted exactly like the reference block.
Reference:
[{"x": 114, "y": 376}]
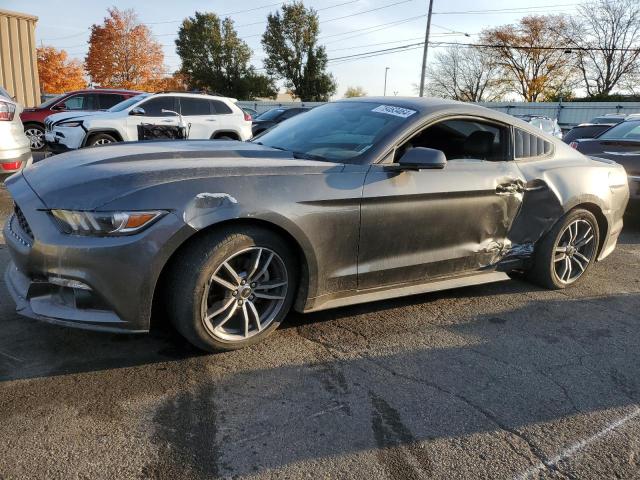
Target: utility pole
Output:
[
  {"x": 386, "y": 69},
  {"x": 424, "y": 51}
]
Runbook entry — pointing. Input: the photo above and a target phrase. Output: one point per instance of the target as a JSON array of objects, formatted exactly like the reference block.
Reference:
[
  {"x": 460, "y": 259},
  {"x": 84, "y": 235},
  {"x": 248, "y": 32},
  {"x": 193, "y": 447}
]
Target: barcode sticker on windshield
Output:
[{"x": 396, "y": 111}]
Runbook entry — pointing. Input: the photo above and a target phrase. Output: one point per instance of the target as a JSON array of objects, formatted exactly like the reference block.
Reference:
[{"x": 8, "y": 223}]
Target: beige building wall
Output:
[{"x": 18, "y": 64}]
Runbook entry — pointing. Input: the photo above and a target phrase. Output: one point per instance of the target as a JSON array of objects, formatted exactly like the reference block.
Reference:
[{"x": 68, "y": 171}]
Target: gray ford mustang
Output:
[{"x": 355, "y": 201}]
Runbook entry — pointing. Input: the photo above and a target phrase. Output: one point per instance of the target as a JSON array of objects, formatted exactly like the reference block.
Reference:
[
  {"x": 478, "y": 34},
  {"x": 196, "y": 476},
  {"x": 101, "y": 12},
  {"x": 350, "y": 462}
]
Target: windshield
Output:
[
  {"x": 271, "y": 114},
  {"x": 118, "y": 107},
  {"x": 336, "y": 132},
  {"x": 629, "y": 130},
  {"x": 49, "y": 102}
]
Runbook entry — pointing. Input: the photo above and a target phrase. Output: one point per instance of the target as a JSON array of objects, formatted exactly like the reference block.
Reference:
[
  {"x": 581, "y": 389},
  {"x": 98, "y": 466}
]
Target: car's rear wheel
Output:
[
  {"x": 101, "y": 139},
  {"x": 35, "y": 133},
  {"x": 231, "y": 289},
  {"x": 566, "y": 253}
]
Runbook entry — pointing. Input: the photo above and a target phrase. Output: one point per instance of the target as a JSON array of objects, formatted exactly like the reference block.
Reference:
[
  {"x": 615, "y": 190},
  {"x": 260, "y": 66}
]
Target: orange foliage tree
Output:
[
  {"x": 57, "y": 73},
  {"x": 122, "y": 52}
]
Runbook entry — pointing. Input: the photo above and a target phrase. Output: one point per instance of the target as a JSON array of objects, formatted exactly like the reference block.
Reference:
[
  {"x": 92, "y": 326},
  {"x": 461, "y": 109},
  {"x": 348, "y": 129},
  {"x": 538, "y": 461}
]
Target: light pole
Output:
[
  {"x": 386, "y": 69},
  {"x": 424, "y": 51}
]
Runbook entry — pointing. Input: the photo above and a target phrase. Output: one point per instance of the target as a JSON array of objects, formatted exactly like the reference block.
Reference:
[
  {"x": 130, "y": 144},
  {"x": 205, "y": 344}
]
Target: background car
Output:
[
  {"x": 593, "y": 127},
  {"x": 546, "y": 124},
  {"x": 15, "y": 153},
  {"x": 357, "y": 200},
  {"x": 250, "y": 111},
  {"x": 272, "y": 117},
  {"x": 620, "y": 143},
  {"x": 609, "y": 119},
  {"x": 204, "y": 116},
  {"x": 87, "y": 100}
]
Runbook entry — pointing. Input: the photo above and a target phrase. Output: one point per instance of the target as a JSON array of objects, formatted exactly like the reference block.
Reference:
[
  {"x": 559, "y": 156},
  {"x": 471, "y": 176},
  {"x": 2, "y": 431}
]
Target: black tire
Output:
[
  {"x": 544, "y": 271},
  {"x": 101, "y": 139},
  {"x": 191, "y": 279},
  {"x": 33, "y": 129}
]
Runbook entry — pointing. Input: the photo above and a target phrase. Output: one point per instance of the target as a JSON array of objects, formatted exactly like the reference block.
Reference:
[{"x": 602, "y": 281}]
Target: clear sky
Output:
[{"x": 370, "y": 25}]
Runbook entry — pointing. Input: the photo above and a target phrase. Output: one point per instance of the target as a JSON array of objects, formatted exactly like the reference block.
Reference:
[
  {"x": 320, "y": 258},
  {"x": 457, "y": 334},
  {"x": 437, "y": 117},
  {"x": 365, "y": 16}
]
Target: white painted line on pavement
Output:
[{"x": 573, "y": 449}]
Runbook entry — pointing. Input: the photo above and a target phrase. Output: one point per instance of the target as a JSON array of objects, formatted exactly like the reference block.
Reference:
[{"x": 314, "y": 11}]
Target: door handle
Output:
[
  {"x": 211, "y": 120},
  {"x": 167, "y": 121}
]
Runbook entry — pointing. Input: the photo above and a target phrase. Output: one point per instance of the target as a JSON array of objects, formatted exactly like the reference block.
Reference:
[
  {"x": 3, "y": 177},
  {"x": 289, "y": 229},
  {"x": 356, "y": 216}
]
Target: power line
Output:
[
  {"x": 317, "y": 10},
  {"x": 372, "y": 29},
  {"x": 505, "y": 10}
]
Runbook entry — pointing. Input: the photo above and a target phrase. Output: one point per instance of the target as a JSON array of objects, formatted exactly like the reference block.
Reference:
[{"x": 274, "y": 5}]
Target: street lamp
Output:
[{"x": 386, "y": 69}]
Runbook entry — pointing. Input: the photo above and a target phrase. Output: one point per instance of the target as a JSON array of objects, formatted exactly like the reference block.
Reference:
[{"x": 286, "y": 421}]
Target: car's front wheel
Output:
[
  {"x": 231, "y": 289},
  {"x": 101, "y": 139},
  {"x": 567, "y": 251},
  {"x": 35, "y": 133}
]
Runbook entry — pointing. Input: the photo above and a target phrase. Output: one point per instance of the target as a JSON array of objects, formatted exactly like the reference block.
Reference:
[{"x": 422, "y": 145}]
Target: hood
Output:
[
  {"x": 89, "y": 178},
  {"x": 57, "y": 117}
]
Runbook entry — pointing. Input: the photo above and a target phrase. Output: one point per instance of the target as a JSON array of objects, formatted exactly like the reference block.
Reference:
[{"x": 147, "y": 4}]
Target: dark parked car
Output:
[
  {"x": 272, "y": 117},
  {"x": 355, "y": 201},
  {"x": 622, "y": 144},
  {"x": 90, "y": 99},
  {"x": 587, "y": 130}
]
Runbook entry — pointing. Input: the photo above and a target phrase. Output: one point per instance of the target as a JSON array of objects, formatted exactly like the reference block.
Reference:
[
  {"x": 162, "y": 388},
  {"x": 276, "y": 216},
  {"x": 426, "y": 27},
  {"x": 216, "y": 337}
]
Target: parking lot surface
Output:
[{"x": 498, "y": 381}]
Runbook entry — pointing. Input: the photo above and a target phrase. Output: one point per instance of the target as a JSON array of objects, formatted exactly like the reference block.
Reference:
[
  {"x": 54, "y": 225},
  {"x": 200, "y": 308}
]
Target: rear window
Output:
[
  {"x": 108, "y": 100},
  {"x": 528, "y": 145},
  {"x": 219, "y": 107},
  {"x": 623, "y": 131},
  {"x": 272, "y": 114}
]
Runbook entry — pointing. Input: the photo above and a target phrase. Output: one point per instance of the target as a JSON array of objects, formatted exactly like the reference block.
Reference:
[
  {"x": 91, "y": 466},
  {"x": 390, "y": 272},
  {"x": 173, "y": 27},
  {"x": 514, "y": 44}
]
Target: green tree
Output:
[
  {"x": 355, "y": 92},
  {"x": 293, "y": 54},
  {"x": 216, "y": 59}
]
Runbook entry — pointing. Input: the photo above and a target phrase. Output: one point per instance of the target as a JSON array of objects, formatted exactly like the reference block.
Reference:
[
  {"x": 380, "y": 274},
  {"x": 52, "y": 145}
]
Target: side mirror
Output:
[
  {"x": 58, "y": 107},
  {"x": 419, "y": 158},
  {"x": 137, "y": 111}
]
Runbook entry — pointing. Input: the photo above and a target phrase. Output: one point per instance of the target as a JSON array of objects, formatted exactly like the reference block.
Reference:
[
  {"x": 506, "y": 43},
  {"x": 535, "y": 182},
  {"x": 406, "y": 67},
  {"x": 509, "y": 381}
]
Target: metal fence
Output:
[{"x": 568, "y": 114}]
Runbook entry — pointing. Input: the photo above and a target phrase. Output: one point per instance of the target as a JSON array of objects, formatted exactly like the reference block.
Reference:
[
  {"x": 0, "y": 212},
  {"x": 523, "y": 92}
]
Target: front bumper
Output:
[
  {"x": 114, "y": 278},
  {"x": 63, "y": 139}
]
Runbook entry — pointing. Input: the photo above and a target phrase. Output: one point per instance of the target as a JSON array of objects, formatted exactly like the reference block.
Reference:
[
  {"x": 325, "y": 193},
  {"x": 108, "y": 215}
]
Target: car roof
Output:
[{"x": 103, "y": 90}]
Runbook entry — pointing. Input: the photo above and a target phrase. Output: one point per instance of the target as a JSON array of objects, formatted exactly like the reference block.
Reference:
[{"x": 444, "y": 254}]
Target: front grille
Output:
[{"x": 22, "y": 221}]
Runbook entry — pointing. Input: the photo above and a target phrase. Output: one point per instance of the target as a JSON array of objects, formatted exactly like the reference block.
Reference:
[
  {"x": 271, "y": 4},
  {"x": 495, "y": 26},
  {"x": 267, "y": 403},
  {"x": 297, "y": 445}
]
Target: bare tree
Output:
[
  {"x": 463, "y": 73},
  {"x": 606, "y": 37},
  {"x": 527, "y": 53}
]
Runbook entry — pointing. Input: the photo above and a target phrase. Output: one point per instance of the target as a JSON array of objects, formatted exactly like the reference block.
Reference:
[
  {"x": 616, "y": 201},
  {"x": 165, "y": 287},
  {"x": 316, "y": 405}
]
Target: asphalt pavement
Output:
[{"x": 497, "y": 381}]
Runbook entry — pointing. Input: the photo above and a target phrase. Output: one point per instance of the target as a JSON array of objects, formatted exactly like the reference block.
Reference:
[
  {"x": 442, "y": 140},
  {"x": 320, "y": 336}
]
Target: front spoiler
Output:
[{"x": 19, "y": 285}]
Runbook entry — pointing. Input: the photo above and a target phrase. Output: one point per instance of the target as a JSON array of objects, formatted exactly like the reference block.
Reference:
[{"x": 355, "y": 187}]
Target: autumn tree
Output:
[
  {"x": 58, "y": 74},
  {"x": 293, "y": 54},
  {"x": 529, "y": 57},
  {"x": 465, "y": 74},
  {"x": 353, "y": 92},
  {"x": 606, "y": 37},
  {"x": 215, "y": 58},
  {"x": 122, "y": 52}
]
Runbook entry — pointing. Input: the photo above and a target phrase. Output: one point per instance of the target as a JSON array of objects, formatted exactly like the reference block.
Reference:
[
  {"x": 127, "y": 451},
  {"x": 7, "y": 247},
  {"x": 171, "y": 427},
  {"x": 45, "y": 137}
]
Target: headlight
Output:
[
  {"x": 101, "y": 224},
  {"x": 74, "y": 123}
]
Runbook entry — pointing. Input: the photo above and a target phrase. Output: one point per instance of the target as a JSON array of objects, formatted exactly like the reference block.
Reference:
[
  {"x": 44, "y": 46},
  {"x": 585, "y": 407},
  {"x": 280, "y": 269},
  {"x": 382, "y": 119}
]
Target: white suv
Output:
[
  {"x": 204, "y": 116},
  {"x": 15, "y": 151}
]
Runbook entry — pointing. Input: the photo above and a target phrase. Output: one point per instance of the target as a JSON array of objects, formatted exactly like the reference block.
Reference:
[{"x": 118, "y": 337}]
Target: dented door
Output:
[{"x": 427, "y": 224}]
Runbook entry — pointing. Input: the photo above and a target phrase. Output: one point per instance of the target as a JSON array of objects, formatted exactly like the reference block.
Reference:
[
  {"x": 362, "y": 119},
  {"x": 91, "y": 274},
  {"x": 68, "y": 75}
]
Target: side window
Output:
[
  {"x": 462, "y": 138},
  {"x": 194, "y": 106},
  {"x": 154, "y": 107},
  {"x": 108, "y": 100},
  {"x": 219, "y": 107},
  {"x": 528, "y": 145},
  {"x": 75, "y": 102}
]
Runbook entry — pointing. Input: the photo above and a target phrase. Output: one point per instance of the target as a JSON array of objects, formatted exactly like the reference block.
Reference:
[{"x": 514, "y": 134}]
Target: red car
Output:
[{"x": 90, "y": 99}]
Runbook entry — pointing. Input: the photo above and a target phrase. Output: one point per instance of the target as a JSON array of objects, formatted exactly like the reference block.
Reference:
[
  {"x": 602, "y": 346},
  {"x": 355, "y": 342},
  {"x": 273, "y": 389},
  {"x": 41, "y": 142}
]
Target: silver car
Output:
[{"x": 15, "y": 151}]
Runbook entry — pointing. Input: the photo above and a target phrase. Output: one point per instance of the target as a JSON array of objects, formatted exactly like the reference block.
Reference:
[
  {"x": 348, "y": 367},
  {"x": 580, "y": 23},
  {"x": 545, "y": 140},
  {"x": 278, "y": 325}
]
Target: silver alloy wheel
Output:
[
  {"x": 245, "y": 294},
  {"x": 36, "y": 137},
  {"x": 102, "y": 141},
  {"x": 574, "y": 251}
]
